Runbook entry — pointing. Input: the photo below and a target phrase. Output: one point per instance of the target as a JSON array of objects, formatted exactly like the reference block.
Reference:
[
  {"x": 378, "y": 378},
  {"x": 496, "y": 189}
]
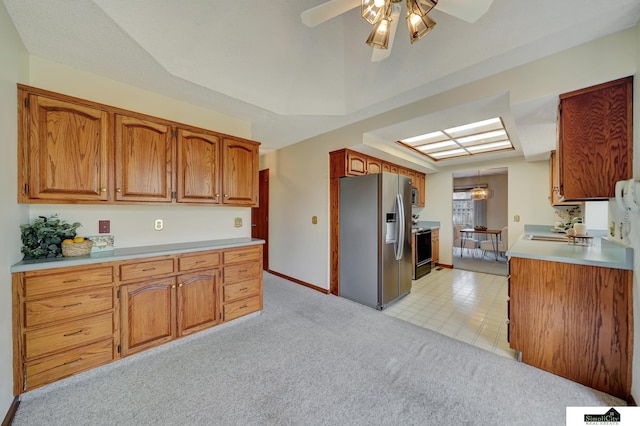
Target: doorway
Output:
[
  {"x": 260, "y": 216},
  {"x": 474, "y": 251}
]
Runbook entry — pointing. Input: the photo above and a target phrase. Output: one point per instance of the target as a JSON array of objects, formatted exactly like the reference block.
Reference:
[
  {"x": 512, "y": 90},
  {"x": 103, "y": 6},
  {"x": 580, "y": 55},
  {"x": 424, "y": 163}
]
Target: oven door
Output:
[{"x": 423, "y": 253}]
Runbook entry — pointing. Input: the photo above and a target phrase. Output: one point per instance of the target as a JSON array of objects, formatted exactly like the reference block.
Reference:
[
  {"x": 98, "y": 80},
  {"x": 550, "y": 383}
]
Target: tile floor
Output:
[{"x": 468, "y": 306}]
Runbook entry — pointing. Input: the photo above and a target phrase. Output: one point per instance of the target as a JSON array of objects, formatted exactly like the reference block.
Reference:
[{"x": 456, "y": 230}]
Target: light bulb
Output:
[{"x": 379, "y": 3}]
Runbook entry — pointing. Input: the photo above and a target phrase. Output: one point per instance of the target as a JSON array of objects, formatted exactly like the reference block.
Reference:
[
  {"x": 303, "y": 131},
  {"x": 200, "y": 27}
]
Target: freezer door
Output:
[
  {"x": 404, "y": 264},
  {"x": 359, "y": 239}
]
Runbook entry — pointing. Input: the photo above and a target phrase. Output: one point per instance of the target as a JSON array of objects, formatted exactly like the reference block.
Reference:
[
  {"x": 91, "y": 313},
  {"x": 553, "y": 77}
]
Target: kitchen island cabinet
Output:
[
  {"x": 573, "y": 316},
  {"x": 74, "y": 314}
]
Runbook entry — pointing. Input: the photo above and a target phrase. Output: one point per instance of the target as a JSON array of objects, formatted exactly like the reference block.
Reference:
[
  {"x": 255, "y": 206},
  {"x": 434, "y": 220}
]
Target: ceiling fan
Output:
[{"x": 384, "y": 16}]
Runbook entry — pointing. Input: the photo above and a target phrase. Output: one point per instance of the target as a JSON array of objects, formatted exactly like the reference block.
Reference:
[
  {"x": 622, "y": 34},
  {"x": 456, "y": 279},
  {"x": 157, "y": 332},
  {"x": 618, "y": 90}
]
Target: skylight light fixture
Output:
[{"x": 475, "y": 138}]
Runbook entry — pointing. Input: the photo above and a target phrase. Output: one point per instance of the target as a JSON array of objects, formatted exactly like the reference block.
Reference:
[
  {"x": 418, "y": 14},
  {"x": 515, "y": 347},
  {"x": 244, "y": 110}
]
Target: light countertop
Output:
[
  {"x": 128, "y": 253},
  {"x": 601, "y": 251}
]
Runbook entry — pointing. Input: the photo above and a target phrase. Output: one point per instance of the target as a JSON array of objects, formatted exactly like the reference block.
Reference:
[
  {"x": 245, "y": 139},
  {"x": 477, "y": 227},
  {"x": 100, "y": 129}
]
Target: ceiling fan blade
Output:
[
  {"x": 380, "y": 54},
  {"x": 466, "y": 10},
  {"x": 322, "y": 13}
]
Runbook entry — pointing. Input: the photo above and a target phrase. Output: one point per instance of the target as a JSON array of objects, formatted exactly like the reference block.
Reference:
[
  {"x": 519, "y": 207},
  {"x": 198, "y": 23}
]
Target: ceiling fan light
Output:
[
  {"x": 373, "y": 10},
  {"x": 420, "y": 7},
  {"x": 379, "y": 37},
  {"x": 419, "y": 26}
]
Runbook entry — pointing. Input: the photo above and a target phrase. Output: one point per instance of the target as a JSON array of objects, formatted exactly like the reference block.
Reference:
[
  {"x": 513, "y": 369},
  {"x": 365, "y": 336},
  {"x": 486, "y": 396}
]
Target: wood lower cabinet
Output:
[
  {"x": 435, "y": 246},
  {"x": 70, "y": 319},
  {"x": 148, "y": 314},
  {"x": 63, "y": 150},
  {"x": 242, "y": 282},
  {"x": 574, "y": 321},
  {"x": 64, "y": 322},
  {"x": 595, "y": 140}
]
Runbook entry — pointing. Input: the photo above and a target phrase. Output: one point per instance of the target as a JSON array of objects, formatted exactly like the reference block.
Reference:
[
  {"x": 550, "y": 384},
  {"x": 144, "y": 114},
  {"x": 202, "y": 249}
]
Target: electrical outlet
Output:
[
  {"x": 314, "y": 220},
  {"x": 516, "y": 218},
  {"x": 237, "y": 222},
  {"x": 158, "y": 225},
  {"x": 104, "y": 226}
]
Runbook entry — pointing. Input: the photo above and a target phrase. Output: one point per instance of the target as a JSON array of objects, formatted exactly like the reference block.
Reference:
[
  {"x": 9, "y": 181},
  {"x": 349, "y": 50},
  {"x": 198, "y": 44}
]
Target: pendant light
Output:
[
  {"x": 379, "y": 37},
  {"x": 478, "y": 193}
]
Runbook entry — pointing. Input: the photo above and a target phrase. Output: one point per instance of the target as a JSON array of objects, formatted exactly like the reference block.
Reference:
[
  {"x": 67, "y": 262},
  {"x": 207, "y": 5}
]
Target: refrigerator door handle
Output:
[{"x": 399, "y": 246}]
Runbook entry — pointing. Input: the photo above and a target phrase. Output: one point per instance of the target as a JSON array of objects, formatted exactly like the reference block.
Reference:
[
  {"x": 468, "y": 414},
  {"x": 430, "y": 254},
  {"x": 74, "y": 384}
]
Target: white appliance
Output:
[{"x": 375, "y": 238}]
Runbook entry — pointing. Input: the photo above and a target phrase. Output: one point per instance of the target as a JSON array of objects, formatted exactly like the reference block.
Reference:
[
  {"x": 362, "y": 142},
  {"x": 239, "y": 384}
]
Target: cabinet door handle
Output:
[
  {"x": 103, "y": 189},
  {"x": 74, "y": 333},
  {"x": 118, "y": 189},
  {"x": 173, "y": 286},
  {"x": 180, "y": 285}
]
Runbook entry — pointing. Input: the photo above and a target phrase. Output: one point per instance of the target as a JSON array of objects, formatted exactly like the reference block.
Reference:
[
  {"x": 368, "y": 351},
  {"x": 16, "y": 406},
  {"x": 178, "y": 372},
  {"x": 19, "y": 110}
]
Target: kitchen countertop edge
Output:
[
  {"x": 602, "y": 253},
  {"x": 128, "y": 253}
]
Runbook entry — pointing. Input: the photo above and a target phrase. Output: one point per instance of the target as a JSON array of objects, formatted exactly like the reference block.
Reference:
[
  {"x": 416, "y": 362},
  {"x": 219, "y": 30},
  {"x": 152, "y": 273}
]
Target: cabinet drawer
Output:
[
  {"x": 42, "y": 284},
  {"x": 137, "y": 270},
  {"x": 190, "y": 262},
  {"x": 242, "y": 272},
  {"x": 240, "y": 290},
  {"x": 242, "y": 307},
  {"x": 60, "y": 337},
  {"x": 57, "y": 367},
  {"x": 243, "y": 254},
  {"x": 38, "y": 312}
]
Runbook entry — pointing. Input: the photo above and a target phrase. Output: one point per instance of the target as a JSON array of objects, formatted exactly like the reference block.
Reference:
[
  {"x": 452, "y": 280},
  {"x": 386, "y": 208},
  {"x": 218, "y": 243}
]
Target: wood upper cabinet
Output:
[
  {"x": 144, "y": 160},
  {"x": 573, "y": 320},
  {"x": 373, "y": 166},
  {"x": 554, "y": 185},
  {"x": 63, "y": 150},
  {"x": 239, "y": 172},
  {"x": 75, "y": 151},
  {"x": 595, "y": 140},
  {"x": 389, "y": 168},
  {"x": 356, "y": 163},
  {"x": 422, "y": 189},
  {"x": 198, "y": 167}
]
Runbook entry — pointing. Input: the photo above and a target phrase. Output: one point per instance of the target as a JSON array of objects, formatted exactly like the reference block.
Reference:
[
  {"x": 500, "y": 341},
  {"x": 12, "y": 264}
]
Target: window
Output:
[{"x": 467, "y": 212}]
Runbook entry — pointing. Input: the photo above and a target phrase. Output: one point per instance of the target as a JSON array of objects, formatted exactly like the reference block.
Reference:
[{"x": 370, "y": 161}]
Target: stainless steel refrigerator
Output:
[{"x": 375, "y": 238}]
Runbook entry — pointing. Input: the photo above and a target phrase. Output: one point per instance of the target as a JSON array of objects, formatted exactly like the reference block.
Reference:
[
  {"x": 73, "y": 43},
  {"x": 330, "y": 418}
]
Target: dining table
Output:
[{"x": 494, "y": 236}]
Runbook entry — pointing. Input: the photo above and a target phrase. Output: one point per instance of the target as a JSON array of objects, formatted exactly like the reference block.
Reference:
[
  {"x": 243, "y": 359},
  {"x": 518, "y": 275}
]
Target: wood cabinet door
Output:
[
  {"x": 198, "y": 168},
  {"x": 389, "y": 168},
  {"x": 240, "y": 172},
  {"x": 554, "y": 188},
  {"x": 356, "y": 164},
  {"x": 144, "y": 160},
  {"x": 574, "y": 321},
  {"x": 595, "y": 140},
  {"x": 67, "y": 151},
  {"x": 148, "y": 314},
  {"x": 373, "y": 166},
  {"x": 422, "y": 188},
  {"x": 197, "y": 301}
]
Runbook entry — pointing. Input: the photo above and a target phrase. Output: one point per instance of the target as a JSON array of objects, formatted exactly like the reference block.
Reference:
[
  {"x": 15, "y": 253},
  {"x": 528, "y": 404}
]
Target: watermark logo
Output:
[{"x": 611, "y": 417}]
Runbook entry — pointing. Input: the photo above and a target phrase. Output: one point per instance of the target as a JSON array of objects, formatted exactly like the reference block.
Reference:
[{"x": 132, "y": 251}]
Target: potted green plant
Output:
[{"x": 43, "y": 238}]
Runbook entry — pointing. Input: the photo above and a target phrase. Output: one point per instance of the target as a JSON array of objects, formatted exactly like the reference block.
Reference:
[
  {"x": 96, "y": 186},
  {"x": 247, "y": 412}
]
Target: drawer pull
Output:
[
  {"x": 72, "y": 281},
  {"x": 200, "y": 261},
  {"x": 73, "y": 304},
  {"x": 243, "y": 270},
  {"x": 244, "y": 289},
  {"x": 74, "y": 333},
  {"x": 72, "y": 362},
  {"x": 243, "y": 306},
  {"x": 149, "y": 269}
]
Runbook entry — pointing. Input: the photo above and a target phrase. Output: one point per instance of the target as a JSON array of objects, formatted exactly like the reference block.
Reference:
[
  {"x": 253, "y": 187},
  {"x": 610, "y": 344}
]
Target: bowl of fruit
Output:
[
  {"x": 480, "y": 228},
  {"x": 77, "y": 246}
]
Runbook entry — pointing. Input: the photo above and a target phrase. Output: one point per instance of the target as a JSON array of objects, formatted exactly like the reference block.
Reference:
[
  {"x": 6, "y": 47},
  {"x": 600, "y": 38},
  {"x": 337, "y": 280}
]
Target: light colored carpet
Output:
[{"x": 310, "y": 359}]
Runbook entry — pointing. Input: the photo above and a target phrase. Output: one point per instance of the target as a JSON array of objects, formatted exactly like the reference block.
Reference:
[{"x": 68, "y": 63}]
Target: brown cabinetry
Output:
[
  {"x": 595, "y": 140},
  {"x": 144, "y": 160},
  {"x": 242, "y": 282},
  {"x": 574, "y": 321},
  {"x": 77, "y": 151},
  {"x": 64, "y": 323},
  {"x": 240, "y": 172},
  {"x": 64, "y": 151},
  {"x": 435, "y": 246},
  {"x": 71, "y": 319},
  {"x": 554, "y": 185}
]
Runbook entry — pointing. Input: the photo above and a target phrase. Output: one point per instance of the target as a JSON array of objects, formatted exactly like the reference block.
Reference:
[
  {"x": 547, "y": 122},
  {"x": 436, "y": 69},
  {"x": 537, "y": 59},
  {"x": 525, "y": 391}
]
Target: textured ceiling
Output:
[{"x": 255, "y": 60}]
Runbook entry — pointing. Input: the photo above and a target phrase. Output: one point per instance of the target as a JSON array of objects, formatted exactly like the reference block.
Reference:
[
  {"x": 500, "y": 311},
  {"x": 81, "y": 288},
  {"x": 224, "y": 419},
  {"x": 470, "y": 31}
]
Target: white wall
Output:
[
  {"x": 132, "y": 225},
  {"x": 300, "y": 186},
  {"x": 13, "y": 68}
]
